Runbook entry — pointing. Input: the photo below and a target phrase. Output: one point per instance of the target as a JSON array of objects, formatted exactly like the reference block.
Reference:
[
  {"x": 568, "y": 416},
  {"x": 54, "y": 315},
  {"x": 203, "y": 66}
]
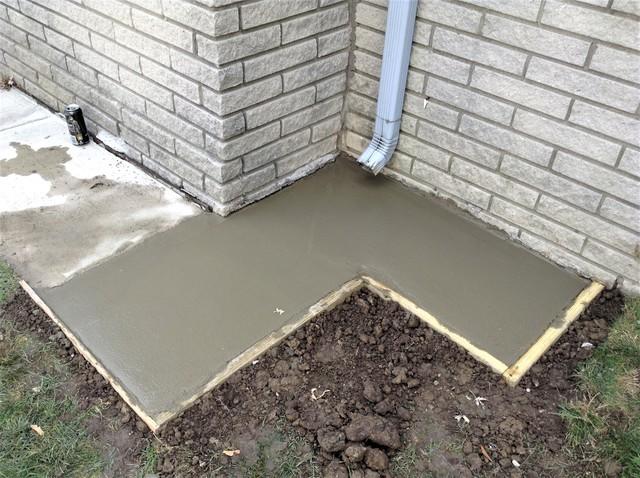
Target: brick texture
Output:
[
  {"x": 526, "y": 114},
  {"x": 226, "y": 100}
]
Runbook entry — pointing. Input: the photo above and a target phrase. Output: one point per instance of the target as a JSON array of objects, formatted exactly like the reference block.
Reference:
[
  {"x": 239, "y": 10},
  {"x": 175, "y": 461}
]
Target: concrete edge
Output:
[
  {"x": 558, "y": 327},
  {"x": 511, "y": 374}
]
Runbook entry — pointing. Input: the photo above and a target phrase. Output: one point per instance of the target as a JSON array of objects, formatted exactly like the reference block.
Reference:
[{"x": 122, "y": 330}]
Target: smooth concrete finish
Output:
[
  {"x": 166, "y": 316},
  {"x": 65, "y": 208}
]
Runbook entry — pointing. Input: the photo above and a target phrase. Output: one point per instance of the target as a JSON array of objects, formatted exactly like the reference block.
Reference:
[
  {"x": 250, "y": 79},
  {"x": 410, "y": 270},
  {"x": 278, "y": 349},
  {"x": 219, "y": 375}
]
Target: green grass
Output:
[
  {"x": 33, "y": 392},
  {"x": 7, "y": 282},
  {"x": 605, "y": 423}
]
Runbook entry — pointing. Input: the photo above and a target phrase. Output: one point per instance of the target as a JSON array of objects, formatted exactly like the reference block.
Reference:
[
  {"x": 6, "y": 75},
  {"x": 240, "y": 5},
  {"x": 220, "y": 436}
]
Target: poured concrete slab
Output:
[
  {"x": 65, "y": 208},
  {"x": 167, "y": 316}
]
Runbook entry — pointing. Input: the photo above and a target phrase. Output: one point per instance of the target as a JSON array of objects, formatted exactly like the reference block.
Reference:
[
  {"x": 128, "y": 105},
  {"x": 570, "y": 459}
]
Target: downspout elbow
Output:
[{"x": 401, "y": 17}]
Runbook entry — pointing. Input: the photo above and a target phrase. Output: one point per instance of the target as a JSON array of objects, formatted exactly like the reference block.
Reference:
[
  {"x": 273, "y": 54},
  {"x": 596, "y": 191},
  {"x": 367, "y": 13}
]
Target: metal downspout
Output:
[{"x": 401, "y": 18}]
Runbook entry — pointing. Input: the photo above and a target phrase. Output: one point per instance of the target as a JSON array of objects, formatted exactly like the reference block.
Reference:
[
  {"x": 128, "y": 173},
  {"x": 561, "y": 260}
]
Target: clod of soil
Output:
[{"x": 366, "y": 390}]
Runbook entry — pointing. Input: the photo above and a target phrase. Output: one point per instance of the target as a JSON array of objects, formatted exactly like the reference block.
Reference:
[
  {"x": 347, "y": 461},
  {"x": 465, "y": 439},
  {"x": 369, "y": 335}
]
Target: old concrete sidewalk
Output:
[{"x": 65, "y": 208}]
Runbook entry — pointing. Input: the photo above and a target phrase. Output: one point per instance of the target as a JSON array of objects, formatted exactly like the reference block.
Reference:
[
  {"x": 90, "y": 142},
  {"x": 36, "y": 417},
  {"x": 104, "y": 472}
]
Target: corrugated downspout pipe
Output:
[{"x": 401, "y": 19}]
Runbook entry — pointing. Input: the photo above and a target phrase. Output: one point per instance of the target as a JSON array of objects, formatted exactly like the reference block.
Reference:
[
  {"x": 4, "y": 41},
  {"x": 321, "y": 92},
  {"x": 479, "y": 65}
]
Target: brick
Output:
[
  {"x": 212, "y": 22},
  {"x": 431, "y": 111},
  {"x": 371, "y": 16},
  {"x": 361, "y": 105},
  {"x": 506, "y": 140},
  {"x": 146, "y": 88},
  {"x": 267, "y": 11},
  {"x": 440, "y": 65},
  {"x": 527, "y": 9},
  {"x": 116, "y": 52},
  {"x": 84, "y": 73},
  {"x": 422, "y": 33},
  {"x": 592, "y": 23},
  {"x": 134, "y": 140},
  {"x": 630, "y": 162},
  {"x": 315, "y": 71},
  {"x": 520, "y": 92},
  {"x": 479, "y": 51},
  {"x": 240, "y": 98},
  {"x": 171, "y": 80},
  {"x": 25, "y": 23},
  {"x": 598, "y": 177},
  {"x": 58, "y": 41},
  {"x": 222, "y": 128},
  {"x": 163, "y": 172},
  {"x": 142, "y": 44},
  {"x": 289, "y": 164},
  {"x": 241, "y": 185},
  {"x": 175, "y": 165},
  {"x": 96, "y": 61},
  {"x": 590, "y": 225},
  {"x": 218, "y": 79},
  {"x": 536, "y": 39},
  {"x": 69, "y": 28},
  {"x": 619, "y": 262},
  {"x": 615, "y": 62},
  {"x": 56, "y": 90},
  {"x": 17, "y": 66},
  {"x": 619, "y": 212},
  {"x": 62, "y": 77},
  {"x": 115, "y": 9},
  {"x": 276, "y": 150},
  {"x": 153, "y": 5},
  {"x": 360, "y": 125},
  {"x": 115, "y": 90},
  {"x": 306, "y": 117},
  {"x": 423, "y": 152},
  {"x": 41, "y": 48},
  {"x": 369, "y": 87},
  {"x": 148, "y": 130},
  {"x": 468, "y": 100},
  {"x": 177, "y": 126},
  {"x": 567, "y": 137},
  {"x": 326, "y": 128},
  {"x": 105, "y": 104},
  {"x": 34, "y": 12},
  {"x": 331, "y": 86},
  {"x": 333, "y": 42},
  {"x": 585, "y": 84},
  {"x": 13, "y": 33},
  {"x": 83, "y": 16},
  {"x": 369, "y": 40},
  {"x": 31, "y": 59},
  {"x": 279, "y": 107},
  {"x": 527, "y": 219},
  {"x": 355, "y": 142},
  {"x": 279, "y": 60},
  {"x": 443, "y": 181},
  {"x": 315, "y": 23},
  {"x": 550, "y": 183},
  {"x": 457, "y": 144},
  {"x": 566, "y": 259},
  {"x": 494, "y": 182},
  {"x": 218, "y": 170},
  {"x": 240, "y": 145},
  {"x": 39, "y": 93},
  {"x": 239, "y": 46},
  {"x": 627, "y": 6},
  {"x": 366, "y": 63},
  {"x": 622, "y": 127},
  {"x": 456, "y": 16},
  {"x": 163, "y": 30}
]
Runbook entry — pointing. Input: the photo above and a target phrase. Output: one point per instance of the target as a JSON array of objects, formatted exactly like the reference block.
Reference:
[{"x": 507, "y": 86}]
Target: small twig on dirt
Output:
[
  {"x": 315, "y": 397},
  {"x": 231, "y": 452},
  {"x": 479, "y": 401},
  {"x": 485, "y": 454},
  {"x": 464, "y": 419},
  {"x": 37, "y": 430},
  {"x": 224, "y": 405}
]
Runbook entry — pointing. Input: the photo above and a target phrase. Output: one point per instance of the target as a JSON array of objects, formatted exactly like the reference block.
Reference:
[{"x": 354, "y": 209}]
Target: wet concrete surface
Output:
[
  {"x": 167, "y": 315},
  {"x": 65, "y": 208}
]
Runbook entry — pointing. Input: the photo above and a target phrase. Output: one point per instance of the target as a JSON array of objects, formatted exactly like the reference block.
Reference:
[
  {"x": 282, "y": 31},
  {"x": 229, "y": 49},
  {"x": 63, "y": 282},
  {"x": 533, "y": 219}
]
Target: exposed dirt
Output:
[{"x": 367, "y": 390}]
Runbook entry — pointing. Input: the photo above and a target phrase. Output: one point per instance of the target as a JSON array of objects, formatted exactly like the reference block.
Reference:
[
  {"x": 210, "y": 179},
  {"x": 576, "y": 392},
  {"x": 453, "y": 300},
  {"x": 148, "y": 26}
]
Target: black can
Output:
[{"x": 77, "y": 127}]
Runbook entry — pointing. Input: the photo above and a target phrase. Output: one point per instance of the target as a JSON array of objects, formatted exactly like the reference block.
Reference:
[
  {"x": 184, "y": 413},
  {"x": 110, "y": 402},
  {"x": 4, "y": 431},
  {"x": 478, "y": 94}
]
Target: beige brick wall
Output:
[{"x": 524, "y": 112}]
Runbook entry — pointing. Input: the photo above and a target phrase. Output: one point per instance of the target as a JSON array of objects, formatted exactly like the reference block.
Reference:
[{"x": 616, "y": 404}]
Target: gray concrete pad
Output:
[
  {"x": 65, "y": 208},
  {"x": 168, "y": 315}
]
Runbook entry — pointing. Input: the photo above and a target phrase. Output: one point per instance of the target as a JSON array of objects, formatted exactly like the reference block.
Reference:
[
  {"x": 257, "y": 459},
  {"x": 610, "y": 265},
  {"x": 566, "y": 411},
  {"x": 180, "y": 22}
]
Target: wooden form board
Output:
[{"x": 511, "y": 374}]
